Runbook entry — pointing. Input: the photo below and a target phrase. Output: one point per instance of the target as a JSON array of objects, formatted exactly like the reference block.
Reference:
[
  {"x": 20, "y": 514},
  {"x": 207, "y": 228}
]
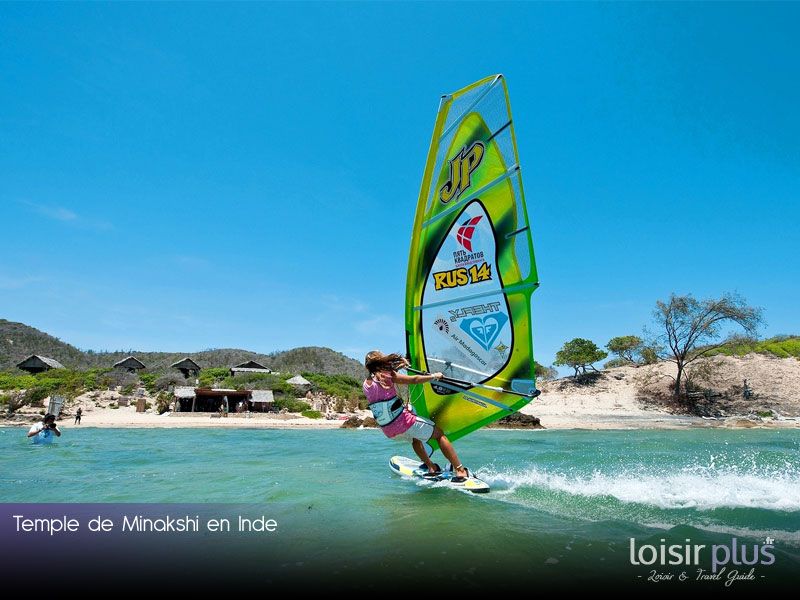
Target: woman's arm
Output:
[{"x": 406, "y": 379}]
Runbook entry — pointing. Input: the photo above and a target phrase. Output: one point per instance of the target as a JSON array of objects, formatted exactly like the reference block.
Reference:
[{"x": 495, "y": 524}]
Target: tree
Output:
[
  {"x": 579, "y": 354},
  {"x": 625, "y": 347},
  {"x": 649, "y": 355},
  {"x": 544, "y": 373},
  {"x": 690, "y": 328}
]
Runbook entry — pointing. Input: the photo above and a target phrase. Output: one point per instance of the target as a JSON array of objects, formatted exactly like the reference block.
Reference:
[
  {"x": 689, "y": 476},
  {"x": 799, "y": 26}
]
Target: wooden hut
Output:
[
  {"x": 250, "y": 366},
  {"x": 39, "y": 364},
  {"x": 131, "y": 364},
  {"x": 210, "y": 400},
  {"x": 262, "y": 401},
  {"x": 184, "y": 398},
  {"x": 187, "y": 367}
]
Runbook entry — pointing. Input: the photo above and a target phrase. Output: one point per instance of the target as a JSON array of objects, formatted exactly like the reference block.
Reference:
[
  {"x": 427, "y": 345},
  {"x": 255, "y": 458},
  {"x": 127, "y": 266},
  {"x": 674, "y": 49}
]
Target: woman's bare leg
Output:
[
  {"x": 419, "y": 448},
  {"x": 449, "y": 452}
]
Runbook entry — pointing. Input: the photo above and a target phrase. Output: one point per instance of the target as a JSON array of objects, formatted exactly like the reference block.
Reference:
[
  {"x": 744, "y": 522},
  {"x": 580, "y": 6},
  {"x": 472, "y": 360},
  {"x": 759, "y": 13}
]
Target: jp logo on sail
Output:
[{"x": 461, "y": 167}]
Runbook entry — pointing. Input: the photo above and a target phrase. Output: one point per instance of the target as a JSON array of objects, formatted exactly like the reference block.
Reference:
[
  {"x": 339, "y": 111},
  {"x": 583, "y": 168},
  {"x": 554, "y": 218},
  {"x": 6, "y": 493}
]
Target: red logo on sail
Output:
[{"x": 465, "y": 232}]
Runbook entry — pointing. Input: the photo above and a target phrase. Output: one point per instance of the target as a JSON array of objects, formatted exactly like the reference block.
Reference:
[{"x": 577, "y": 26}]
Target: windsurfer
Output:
[{"x": 396, "y": 420}]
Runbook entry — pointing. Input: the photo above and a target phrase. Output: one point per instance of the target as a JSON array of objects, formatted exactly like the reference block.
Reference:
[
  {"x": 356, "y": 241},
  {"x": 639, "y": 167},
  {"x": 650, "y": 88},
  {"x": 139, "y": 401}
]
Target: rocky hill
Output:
[{"x": 17, "y": 341}]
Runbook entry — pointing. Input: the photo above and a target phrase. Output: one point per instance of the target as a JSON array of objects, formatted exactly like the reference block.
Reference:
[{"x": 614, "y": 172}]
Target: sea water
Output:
[{"x": 563, "y": 505}]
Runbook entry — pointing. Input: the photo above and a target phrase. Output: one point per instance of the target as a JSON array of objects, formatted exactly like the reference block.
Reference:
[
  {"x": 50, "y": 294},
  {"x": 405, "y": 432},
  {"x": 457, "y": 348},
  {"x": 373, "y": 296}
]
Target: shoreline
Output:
[{"x": 127, "y": 418}]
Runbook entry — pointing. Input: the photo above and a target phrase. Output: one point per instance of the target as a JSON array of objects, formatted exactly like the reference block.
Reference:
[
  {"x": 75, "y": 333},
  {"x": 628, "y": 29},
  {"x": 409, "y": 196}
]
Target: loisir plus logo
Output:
[{"x": 727, "y": 563}]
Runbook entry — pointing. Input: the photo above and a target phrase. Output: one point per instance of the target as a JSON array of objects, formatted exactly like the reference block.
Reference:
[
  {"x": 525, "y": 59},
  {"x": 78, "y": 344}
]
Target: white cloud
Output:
[
  {"x": 65, "y": 215},
  {"x": 340, "y": 304}
]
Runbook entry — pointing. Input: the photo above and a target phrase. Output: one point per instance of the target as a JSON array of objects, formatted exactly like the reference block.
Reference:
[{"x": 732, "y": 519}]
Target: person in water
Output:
[
  {"x": 395, "y": 419},
  {"x": 49, "y": 422}
]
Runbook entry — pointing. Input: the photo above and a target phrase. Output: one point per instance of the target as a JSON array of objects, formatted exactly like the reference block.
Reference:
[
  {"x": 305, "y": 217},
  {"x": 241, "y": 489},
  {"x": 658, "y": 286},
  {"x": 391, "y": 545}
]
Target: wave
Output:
[{"x": 699, "y": 488}]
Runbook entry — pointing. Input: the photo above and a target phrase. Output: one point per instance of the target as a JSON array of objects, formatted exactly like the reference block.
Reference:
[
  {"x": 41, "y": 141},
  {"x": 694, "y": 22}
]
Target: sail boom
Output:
[{"x": 478, "y": 397}]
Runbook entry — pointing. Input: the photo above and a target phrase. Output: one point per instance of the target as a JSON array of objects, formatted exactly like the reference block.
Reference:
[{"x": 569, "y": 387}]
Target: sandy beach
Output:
[
  {"x": 126, "y": 416},
  {"x": 617, "y": 399}
]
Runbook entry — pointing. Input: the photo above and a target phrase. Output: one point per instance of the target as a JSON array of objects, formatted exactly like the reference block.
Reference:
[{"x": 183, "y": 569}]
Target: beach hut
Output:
[
  {"x": 211, "y": 400},
  {"x": 262, "y": 400},
  {"x": 250, "y": 366},
  {"x": 300, "y": 383},
  {"x": 130, "y": 364},
  {"x": 39, "y": 364},
  {"x": 184, "y": 397},
  {"x": 187, "y": 367}
]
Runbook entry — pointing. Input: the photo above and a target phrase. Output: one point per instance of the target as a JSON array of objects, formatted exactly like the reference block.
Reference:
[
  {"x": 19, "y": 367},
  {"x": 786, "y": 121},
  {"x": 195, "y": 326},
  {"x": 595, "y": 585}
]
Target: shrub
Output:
[
  {"x": 148, "y": 380},
  {"x": 312, "y": 414},
  {"x": 209, "y": 377},
  {"x": 649, "y": 356},
  {"x": 291, "y": 404},
  {"x": 36, "y": 395},
  {"x": 259, "y": 381},
  {"x": 164, "y": 382},
  {"x": 163, "y": 402},
  {"x": 339, "y": 386},
  {"x": 617, "y": 362},
  {"x": 9, "y": 381}
]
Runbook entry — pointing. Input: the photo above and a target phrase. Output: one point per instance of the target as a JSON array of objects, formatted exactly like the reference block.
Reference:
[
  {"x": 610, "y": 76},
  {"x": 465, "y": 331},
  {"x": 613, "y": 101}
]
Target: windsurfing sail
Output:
[{"x": 471, "y": 270}]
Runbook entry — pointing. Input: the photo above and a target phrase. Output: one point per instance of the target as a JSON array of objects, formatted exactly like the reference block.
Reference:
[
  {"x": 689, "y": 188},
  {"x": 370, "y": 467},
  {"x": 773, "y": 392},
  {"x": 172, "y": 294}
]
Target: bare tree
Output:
[{"x": 691, "y": 328}]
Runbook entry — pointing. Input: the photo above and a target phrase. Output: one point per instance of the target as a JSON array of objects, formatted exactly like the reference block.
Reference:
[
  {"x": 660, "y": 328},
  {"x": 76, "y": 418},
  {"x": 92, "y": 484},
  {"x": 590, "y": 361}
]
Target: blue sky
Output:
[{"x": 181, "y": 176}]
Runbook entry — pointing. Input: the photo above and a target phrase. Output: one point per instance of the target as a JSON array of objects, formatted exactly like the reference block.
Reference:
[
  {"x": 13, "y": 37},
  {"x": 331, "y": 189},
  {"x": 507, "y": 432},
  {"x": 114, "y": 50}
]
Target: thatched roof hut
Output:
[
  {"x": 299, "y": 382},
  {"x": 187, "y": 367},
  {"x": 39, "y": 364},
  {"x": 131, "y": 364},
  {"x": 264, "y": 398}
]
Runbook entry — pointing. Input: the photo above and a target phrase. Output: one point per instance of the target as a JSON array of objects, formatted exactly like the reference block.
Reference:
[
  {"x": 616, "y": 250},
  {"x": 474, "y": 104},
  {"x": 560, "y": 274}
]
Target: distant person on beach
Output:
[
  {"x": 78, "y": 414},
  {"x": 396, "y": 420},
  {"x": 48, "y": 423}
]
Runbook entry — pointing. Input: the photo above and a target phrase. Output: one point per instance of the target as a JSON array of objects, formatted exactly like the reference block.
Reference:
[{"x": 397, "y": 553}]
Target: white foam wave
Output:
[{"x": 701, "y": 489}]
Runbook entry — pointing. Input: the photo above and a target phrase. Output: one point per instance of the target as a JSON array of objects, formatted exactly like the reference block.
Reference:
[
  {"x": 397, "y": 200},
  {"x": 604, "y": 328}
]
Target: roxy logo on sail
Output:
[
  {"x": 484, "y": 330},
  {"x": 461, "y": 167}
]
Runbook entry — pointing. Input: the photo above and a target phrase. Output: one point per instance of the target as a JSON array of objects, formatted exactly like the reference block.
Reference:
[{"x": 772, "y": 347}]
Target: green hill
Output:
[
  {"x": 18, "y": 341},
  {"x": 782, "y": 346}
]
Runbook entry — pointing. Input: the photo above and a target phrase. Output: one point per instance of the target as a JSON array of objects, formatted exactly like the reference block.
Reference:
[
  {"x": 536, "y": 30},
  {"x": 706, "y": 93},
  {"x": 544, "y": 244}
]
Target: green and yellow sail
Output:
[{"x": 471, "y": 268}]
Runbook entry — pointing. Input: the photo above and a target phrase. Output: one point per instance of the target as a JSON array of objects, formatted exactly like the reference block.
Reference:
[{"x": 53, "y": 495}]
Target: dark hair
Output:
[
  {"x": 378, "y": 361},
  {"x": 49, "y": 416}
]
